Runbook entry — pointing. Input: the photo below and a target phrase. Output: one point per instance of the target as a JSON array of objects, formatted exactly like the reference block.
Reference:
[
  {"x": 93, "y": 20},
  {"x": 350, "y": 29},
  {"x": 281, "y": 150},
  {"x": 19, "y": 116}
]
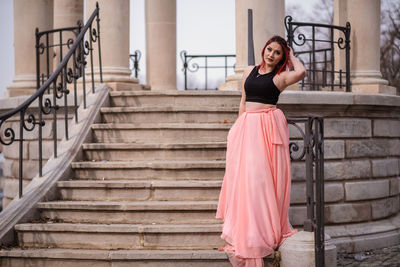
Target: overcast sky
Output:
[{"x": 200, "y": 30}]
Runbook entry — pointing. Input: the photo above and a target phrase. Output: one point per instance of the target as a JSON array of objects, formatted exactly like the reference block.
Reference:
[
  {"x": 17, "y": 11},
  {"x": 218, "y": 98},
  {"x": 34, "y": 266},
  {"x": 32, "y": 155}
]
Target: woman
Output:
[{"x": 255, "y": 194}]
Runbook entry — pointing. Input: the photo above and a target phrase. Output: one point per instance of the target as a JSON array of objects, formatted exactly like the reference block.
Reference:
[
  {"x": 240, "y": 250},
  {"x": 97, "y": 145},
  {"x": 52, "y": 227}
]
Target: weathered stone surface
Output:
[
  {"x": 385, "y": 167},
  {"x": 343, "y": 213},
  {"x": 384, "y": 207},
  {"x": 11, "y": 186},
  {"x": 393, "y": 186},
  {"x": 333, "y": 192},
  {"x": 297, "y": 215},
  {"x": 347, "y": 128},
  {"x": 372, "y": 148},
  {"x": 298, "y": 171},
  {"x": 12, "y": 151},
  {"x": 386, "y": 128},
  {"x": 333, "y": 149},
  {"x": 350, "y": 169},
  {"x": 47, "y": 150},
  {"x": 366, "y": 190}
]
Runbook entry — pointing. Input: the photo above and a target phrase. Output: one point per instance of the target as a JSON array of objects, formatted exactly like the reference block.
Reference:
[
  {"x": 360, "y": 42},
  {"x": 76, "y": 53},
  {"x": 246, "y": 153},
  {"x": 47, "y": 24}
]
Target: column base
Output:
[
  {"x": 233, "y": 82},
  {"x": 22, "y": 85},
  {"x": 371, "y": 82},
  {"x": 118, "y": 78},
  {"x": 374, "y": 89},
  {"x": 299, "y": 250}
]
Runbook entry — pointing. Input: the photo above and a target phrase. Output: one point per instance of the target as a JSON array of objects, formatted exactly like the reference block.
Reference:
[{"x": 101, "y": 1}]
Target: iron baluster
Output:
[
  {"x": 98, "y": 40},
  {"x": 309, "y": 223},
  {"x": 332, "y": 62},
  {"x": 65, "y": 94},
  {"x": 205, "y": 71},
  {"x": 47, "y": 56},
  {"x": 91, "y": 57},
  {"x": 82, "y": 58},
  {"x": 347, "y": 42},
  {"x": 55, "y": 117},
  {"x": 21, "y": 151},
  {"x": 75, "y": 87}
]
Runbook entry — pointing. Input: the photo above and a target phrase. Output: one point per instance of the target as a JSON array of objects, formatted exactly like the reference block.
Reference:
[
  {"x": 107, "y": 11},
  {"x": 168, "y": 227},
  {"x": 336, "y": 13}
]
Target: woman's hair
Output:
[{"x": 281, "y": 66}]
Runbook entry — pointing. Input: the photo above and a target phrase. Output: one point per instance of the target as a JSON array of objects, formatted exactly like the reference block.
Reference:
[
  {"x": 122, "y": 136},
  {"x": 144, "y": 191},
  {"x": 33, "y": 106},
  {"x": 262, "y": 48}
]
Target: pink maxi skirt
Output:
[{"x": 255, "y": 194}]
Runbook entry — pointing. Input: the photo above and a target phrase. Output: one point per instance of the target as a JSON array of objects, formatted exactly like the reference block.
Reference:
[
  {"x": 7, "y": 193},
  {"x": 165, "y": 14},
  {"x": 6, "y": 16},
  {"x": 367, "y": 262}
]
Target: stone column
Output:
[
  {"x": 268, "y": 20},
  {"x": 114, "y": 34},
  {"x": 66, "y": 14},
  {"x": 160, "y": 16},
  {"x": 27, "y": 16},
  {"x": 364, "y": 17}
]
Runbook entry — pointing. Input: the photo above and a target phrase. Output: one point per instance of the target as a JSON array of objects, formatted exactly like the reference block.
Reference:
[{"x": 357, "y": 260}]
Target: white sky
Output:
[{"x": 200, "y": 30}]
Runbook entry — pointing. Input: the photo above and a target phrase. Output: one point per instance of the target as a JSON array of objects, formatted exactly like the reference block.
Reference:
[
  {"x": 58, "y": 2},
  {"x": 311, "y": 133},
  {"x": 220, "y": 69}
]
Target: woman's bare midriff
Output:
[{"x": 256, "y": 105}]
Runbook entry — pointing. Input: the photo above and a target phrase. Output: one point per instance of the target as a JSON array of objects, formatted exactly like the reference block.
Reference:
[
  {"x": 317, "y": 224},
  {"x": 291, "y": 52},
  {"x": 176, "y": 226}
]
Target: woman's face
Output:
[{"x": 273, "y": 54}]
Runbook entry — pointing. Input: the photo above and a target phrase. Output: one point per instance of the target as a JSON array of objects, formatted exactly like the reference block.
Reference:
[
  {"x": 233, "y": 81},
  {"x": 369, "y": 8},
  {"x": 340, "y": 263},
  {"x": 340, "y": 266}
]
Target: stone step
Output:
[
  {"x": 139, "y": 190},
  {"x": 160, "y": 212},
  {"x": 159, "y": 170},
  {"x": 155, "y": 151},
  {"x": 119, "y": 236},
  {"x": 160, "y": 132},
  {"x": 165, "y": 114},
  {"x": 57, "y": 257},
  {"x": 175, "y": 98}
]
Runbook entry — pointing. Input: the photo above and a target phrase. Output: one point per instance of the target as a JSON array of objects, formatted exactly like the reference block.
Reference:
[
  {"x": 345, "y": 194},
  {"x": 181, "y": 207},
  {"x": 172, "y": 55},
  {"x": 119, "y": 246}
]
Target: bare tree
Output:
[{"x": 390, "y": 43}]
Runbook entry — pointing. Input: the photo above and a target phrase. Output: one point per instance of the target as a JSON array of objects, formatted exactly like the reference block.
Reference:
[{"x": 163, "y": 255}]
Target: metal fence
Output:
[
  {"x": 191, "y": 65},
  {"x": 320, "y": 41},
  {"x": 57, "y": 85}
]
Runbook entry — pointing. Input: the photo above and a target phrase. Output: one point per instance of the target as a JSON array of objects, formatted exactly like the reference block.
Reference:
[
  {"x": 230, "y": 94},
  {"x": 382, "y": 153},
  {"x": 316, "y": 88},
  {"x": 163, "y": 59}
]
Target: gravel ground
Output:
[{"x": 388, "y": 257}]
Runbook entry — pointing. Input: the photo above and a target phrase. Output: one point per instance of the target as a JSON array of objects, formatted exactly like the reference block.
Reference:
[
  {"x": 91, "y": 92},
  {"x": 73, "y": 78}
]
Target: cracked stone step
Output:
[
  {"x": 57, "y": 257},
  {"x": 159, "y": 212},
  {"x": 168, "y": 114},
  {"x": 176, "y": 98},
  {"x": 160, "y": 132},
  {"x": 181, "y": 170},
  {"x": 155, "y": 151},
  {"x": 119, "y": 236},
  {"x": 139, "y": 190}
]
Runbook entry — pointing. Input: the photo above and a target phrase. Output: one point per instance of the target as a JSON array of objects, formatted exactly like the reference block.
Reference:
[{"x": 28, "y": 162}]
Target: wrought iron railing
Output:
[
  {"x": 319, "y": 59},
  {"x": 134, "y": 62},
  {"x": 70, "y": 69},
  {"x": 310, "y": 148},
  {"x": 195, "y": 66}
]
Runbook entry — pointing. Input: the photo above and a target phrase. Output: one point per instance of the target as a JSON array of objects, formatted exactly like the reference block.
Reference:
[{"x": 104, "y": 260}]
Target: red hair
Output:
[{"x": 281, "y": 66}]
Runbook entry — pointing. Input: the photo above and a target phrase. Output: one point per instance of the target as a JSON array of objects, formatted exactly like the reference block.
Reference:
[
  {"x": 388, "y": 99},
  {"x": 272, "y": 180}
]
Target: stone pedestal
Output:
[
  {"x": 27, "y": 16},
  {"x": 114, "y": 35},
  {"x": 268, "y": 17},
  {"x": 161, "y": 44},
  {"x": 364, "y": 17},
  {"x": 299, "y": 250}
]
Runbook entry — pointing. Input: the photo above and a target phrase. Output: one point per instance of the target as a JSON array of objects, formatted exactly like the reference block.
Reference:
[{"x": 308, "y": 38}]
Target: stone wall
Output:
[
  {"x": 30, "y": 145},
  {"x": 362, "y": 158}
]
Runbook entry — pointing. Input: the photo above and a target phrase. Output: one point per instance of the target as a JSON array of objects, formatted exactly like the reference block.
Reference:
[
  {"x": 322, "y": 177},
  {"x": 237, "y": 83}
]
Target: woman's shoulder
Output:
[{"x": 248, "y": 69}]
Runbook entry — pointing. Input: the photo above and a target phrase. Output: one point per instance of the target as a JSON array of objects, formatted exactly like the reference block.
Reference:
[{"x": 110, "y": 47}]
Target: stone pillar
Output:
[
  {"x": 114, "y": 34},
  {"x": 160, "y": 17},
  {"x": 66, "y": 14},
  {"x": 364, "y": 17},
  {"x": 27, "y": 16},
  {"x": 268, "y": 20},
  {"x": 299, "y": 250}
]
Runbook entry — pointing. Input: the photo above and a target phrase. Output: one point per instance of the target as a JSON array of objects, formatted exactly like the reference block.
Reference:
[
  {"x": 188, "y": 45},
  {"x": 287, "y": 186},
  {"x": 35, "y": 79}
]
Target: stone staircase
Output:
[{"x": 146, "y": 192}]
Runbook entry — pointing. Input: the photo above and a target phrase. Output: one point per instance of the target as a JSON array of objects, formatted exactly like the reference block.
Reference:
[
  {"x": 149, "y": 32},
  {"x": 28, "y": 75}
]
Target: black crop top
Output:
[{"x": 260, "y": 88}]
